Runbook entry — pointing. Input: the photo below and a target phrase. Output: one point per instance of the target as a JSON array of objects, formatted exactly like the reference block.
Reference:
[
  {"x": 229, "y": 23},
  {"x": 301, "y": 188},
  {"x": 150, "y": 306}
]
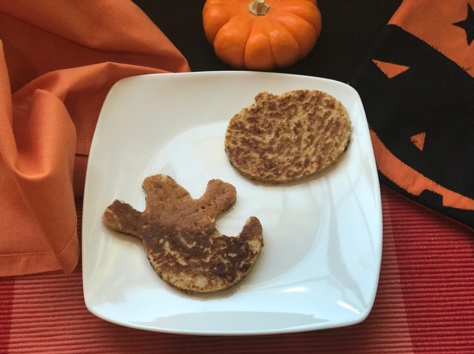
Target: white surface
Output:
[{"x": 323, "y": 235}]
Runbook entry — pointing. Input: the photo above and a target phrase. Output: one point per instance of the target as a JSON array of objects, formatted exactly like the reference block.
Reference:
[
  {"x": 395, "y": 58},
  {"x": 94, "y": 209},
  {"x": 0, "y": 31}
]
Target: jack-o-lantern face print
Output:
[{"x": 418, "y": 92}]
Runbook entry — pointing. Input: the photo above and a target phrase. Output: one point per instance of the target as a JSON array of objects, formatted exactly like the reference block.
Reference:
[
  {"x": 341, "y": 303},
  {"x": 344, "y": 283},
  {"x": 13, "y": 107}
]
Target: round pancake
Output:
[{"x": 283, "y": 138}]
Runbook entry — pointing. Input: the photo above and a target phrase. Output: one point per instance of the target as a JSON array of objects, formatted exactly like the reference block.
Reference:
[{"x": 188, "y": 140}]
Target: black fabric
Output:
[{"x": 434, "y": 96}]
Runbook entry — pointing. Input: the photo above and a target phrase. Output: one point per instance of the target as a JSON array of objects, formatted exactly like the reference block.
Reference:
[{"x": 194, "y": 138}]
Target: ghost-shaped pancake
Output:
[{"x": 180, "y": 237}]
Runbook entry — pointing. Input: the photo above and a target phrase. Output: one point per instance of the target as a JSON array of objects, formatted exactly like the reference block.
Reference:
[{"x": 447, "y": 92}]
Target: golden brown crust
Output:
[
  {"x": 180, "y": 238},
  {"x": 282, "y": 138}
]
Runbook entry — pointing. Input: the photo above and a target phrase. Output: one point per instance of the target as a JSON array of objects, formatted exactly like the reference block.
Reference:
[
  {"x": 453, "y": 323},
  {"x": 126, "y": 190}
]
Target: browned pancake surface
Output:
[
  {"x": 180, "y": 238},
  {"x": 281, "y": 138}
]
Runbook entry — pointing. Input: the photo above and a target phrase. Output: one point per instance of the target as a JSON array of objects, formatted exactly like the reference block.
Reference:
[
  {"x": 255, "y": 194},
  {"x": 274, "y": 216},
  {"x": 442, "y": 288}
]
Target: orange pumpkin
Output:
[{"x": 261, "y": 34}]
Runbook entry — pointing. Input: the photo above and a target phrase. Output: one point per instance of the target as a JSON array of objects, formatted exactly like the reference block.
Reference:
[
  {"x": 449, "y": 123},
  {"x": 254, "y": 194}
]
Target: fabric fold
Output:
[{"x": 58, "y": 60}]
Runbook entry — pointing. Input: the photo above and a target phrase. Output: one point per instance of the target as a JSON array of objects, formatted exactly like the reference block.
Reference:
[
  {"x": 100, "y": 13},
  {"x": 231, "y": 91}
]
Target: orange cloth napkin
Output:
[{"x": 58, "y": 60}]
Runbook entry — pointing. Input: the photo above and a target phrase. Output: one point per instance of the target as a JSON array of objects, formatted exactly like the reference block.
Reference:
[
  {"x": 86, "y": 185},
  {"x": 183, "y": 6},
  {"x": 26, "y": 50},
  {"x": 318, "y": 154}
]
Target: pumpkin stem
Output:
[{"x": 258, "y": 7}]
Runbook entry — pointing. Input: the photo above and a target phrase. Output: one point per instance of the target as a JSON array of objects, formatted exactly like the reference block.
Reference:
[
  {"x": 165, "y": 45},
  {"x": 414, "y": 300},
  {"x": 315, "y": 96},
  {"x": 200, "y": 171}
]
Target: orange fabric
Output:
[
  {"x": 389, "y": 69},
  {"x": 413, "y": 181},
  {"x": 58, "y": 60}
]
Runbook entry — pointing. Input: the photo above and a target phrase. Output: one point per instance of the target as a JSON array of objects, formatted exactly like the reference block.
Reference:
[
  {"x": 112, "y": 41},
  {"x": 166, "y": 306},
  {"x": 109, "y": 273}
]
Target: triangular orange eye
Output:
[
  {"x": 389, "y": 69},
  {"x": 419, "y": 140}
]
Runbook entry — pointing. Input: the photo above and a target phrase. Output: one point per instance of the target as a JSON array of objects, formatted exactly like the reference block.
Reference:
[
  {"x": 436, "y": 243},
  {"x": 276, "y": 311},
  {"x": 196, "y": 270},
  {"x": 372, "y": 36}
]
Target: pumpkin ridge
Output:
[
  {"x": 253, "y": 57},
  {"x": 276, "y": 21},
  {"x": 235, "y": 45},
  {"x": 217, "y": 16},
  {"x": 284, "y": 13},
  {"x": 305, "y": 38},
  {"x": 284, "y": 57}
]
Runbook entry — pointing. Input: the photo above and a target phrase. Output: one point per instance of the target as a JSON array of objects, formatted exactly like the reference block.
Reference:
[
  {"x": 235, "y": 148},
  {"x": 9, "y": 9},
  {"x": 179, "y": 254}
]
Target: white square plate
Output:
[{"x": 323, "y": 235}]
